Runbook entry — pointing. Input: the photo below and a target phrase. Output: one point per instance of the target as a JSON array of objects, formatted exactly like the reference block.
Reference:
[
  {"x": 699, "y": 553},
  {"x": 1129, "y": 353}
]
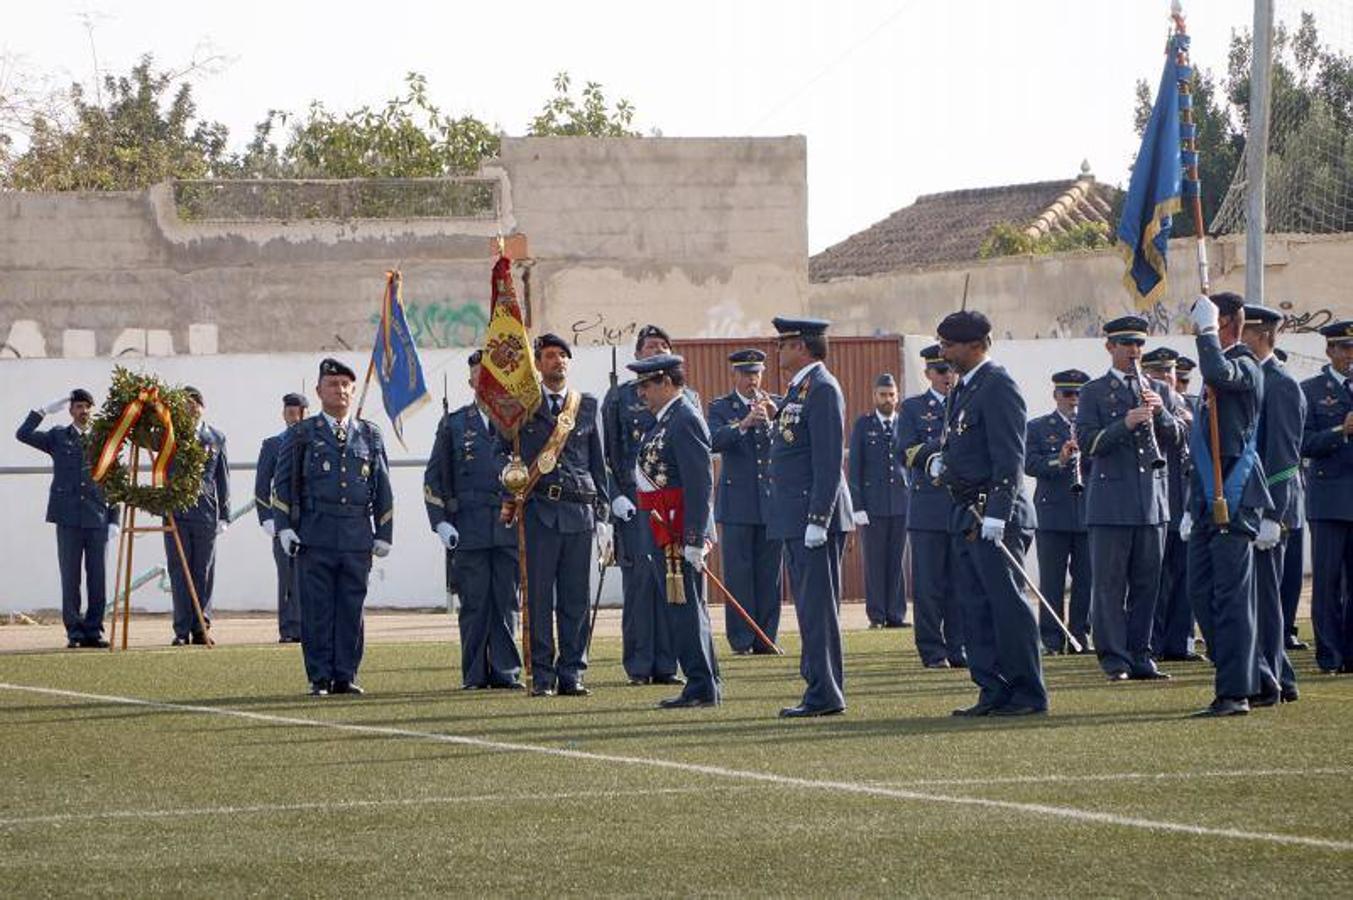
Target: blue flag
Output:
[
  {"x": 1154, "y": 195},
  {"x": 394, "y": 359}
]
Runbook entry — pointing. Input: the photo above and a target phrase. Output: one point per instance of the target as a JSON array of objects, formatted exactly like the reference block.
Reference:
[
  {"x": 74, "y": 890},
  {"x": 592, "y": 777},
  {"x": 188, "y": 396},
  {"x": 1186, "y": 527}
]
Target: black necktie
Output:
[{"x": 556, "y": 402}]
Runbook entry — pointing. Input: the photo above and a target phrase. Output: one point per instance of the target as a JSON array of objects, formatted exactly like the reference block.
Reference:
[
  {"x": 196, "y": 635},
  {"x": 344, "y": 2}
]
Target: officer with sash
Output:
[
  {"x": 463, "y": 498},
  {"x": 567, "y": 507},
  {"x": 939, "y": 623},
  {"x": 674, "y": 475},
  {"x": 1280, "y": 428},
  {"x": 1329, "y": 507},
  {"x": 980, "y": 460},
  {"x": 1221, "y": 555},
  {"x": 85, "y": 523},
  {"x": 288, "y": 589},
  {"x": 1124, "y": 425},
  {"x": 334, "y": 511},
  {"x": 1172, "y": 625},
  {"x": 198, "y": 528},
  {"x": 878, "y": 492},
  {"x": 646, "y": 645},
  {"x": 810, "y": 508},
  {"x": 740, "y": 432},
  {"x": 1052, "y": 457}
]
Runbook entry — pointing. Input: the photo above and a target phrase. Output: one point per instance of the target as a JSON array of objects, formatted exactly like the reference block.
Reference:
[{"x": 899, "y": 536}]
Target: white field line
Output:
[
  {"x": 1119, "y": 776},
  {"x": 840, "y": 787}
]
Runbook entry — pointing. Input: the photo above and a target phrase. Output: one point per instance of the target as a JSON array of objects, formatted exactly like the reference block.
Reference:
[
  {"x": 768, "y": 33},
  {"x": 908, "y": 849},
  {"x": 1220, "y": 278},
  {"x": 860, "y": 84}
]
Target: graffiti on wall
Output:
[
  {"x": 444, "y": 323},
  {"x": 597, "y": 332},
  {"x": 1078, "y": 321},
  {"x": 1303, "y": 322}
]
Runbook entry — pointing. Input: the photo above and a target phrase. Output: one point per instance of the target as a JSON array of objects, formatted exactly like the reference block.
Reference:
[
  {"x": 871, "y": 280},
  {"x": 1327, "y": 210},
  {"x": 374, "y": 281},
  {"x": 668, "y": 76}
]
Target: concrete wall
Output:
[
  {"x": 704, "y": 236},
  {"x": 1073, "y": 294}
]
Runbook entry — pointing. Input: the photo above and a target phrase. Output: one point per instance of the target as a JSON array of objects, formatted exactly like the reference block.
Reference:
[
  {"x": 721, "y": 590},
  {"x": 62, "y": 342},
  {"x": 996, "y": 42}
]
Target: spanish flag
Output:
[{"x": 509, "y": 385}]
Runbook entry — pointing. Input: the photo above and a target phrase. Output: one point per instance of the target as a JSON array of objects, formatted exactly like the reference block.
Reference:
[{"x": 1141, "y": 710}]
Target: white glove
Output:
[
  {"x": 113, "y": 530},
  {"x": 605, "y": 540},
  {"x": 1204, "y": 313},
  {"x": 290, "y": 541},
  {"x": 380, "y": 548},
  {"x": 695, "y": 556},
  {"x": 221, "y": 526},
  {"x": 814, "y": 536},
  {"x": 623, "y": 508},
  {"x": 449, "y": 535},
  {"x": 270, "y": 527},
  {"x": 935, "y": 467},
  {"x": 861, "y": 517},
  {"x": 1270, "y": 532},
  {"x": 1185, "y": 526},
  {"x": 56, "y": 405},
  {"x": 992, "y": 529}
]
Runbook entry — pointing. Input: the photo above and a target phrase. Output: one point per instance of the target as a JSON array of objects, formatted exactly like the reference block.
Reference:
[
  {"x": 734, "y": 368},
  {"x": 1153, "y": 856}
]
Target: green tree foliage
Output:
[
  {"x": 586, "y": 116},
  {"x": 1010, "y": 239}
]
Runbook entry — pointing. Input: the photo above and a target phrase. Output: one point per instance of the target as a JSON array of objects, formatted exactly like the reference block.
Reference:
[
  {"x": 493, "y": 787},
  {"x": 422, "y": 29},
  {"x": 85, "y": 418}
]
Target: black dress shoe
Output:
[
  {"x": 347, "y": 687},
  {"x": 1290, "y": 695},
  {"x": 320, "y": 687},
  {"x": 1149, "y": 675},
  {"x": 685, "y": 703},
  {"x": 958, "y": 662},
  {"x": 198, "y": 637},
  {"x": 74, "y": 644},
  {"x": 573, "y": 690},
  {"x": 745, "y": 651},
  {"x": 763, "y": 650},
  {"x": 668, "y": 679},
  {"x": 179, "y": 642},
  {"x": 1295, "y": 643},
  {"x": 288, "y": 640},
  {"x": 1183, "y": 657},
  {"x": 1014, "y": 709},
  {"x": 938, "y": 664},
  {"x": 809, "y": 712},
  {"x": 507, "y": 686},
  {"x": 94, "y": 643},
  {"x": 977, "y": 710},
  {"x": 474, "y": 687},
  {"x": 898, "y": 625},
  {"x": 872, "y": 626},
  {"x": 541, "y": 690},
  {"x": 1118, "y": 676},
  {"x": 640, "y": 681},
  {"x": 1258, "y": 701},
  {"x": 1223, "y": 706}
]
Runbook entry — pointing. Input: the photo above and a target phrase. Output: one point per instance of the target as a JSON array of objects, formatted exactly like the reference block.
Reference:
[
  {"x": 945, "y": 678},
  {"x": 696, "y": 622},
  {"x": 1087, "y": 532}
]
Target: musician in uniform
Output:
[
  {"x": 288, "y": 588},
  {"x": 877, "y": 478}
]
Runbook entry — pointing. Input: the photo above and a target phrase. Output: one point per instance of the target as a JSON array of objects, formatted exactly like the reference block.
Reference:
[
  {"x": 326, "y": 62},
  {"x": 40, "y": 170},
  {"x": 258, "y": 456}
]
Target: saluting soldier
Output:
[
  {"x": 198, "y": 528},
  {"x": 463, "y": 497},
  {"x": 878, "y": 493},
  {"x": 1281, "y": 421},
  {"x": 288, "y": 586},
  {"x": 1172, "y": 624},
  {"x": 810, "y": 508},
  {"x": 334, "y": 510},
  {"x": 1124, "y": 423},
  {"x": 85, "y": 522},
  {"x": 1329, "y": 422},
  {"x": 567, "y": 508},
  {"x": 646, "y": 645},
  {"x": 740, "y": 432},
  {"x": 981, "y": 462},
  {"x": 1221, "y": 557},
  {"x": 675, "y": 486},
  {"x": 1053, "y": 458},
  {"x": 939, "y": 622}
]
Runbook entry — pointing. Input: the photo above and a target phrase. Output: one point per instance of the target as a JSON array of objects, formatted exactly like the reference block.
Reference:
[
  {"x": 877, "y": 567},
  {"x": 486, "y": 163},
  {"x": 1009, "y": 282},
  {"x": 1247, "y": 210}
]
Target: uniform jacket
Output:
[
  {"x": 1329, "y": 473},
  {"x": 875, "y": 470},
  {"x": 213, "y": 497},
  {"x": 625, "y": 421},
  {"x": 344, "y": 500},
  {"x": 460, "y": 483},
  {"x": 743, "y": 496},
  {"x": 581, "y": 470},
  {"x": 676, "y": 454},
  {"x": 263, "y": 475},
  {"x": 73, "y": 500},
  {"x": 807, "y": 438},
  {"x": 1058, "y": 509},
  {"x": 1179, "y": 471},
  {"x": 920, "y": 427},
  {"x": 1280, "y": 432},
  {"x": 1238, "y": 382}
]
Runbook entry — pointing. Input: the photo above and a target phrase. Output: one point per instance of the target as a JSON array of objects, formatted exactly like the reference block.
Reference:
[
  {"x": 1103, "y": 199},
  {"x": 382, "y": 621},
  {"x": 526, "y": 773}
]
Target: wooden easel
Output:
[{"x": 122, "y": 572}]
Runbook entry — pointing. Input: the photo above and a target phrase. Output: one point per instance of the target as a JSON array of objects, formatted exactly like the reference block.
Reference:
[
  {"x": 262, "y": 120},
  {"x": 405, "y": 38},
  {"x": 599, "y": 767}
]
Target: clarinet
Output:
[
  {"x": 1152, "y": 445},
  {"x": 1077, "y": 477}
]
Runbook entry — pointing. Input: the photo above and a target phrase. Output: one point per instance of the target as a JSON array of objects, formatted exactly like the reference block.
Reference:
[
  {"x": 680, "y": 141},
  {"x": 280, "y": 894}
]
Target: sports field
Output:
[{"x": 208, "y": 773}]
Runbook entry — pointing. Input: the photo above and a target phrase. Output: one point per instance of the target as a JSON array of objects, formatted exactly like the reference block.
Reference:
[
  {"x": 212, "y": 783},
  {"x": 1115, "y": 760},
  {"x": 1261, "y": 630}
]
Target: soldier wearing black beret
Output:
[{"x": 294, "y": 407}]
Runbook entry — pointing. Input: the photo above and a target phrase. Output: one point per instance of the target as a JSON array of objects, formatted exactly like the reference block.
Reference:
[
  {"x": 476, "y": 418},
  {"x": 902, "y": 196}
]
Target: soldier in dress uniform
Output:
[
  {"x": 198, "y": 528},
  {"x": 1221, "y": 557},
  {"x": 1053, "y": 458},
  {"x": 878, "y": 492},
  {"x": 675, "y": 487},
  {"x": 646, "y": 645},
  {"x": 567, "y": 508},
  {"x": 288, "y": 584},
  {"x": 939, "y": 622},
  {"x": 463, "y": 497},
  {"x": 740, "y": 432},
  {"x": 1172, "y": 625},
  {"x": 810, "y": 508},
  {"x": 1280, "y": 427},
  {"x": 334, "y": 511},
  {"x": 1329, "y": 507},
  {"x": 980, "y": 460},
  {"x": 1124, "y": 425},
  {"x": 85, "y": 523},
  {"x": 1294, "y": 557}
]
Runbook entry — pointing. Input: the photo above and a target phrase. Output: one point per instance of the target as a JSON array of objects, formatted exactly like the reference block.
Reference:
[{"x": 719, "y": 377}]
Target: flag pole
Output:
[
  {"x": 390, "y": 276},
  {"x": 1220, "y": 515}
]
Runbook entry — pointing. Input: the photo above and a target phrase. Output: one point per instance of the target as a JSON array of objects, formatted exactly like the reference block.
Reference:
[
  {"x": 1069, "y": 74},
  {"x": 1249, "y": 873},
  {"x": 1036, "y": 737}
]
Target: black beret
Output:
[
  {"x": 80, "y": 395},
  {"x": 194, "y": 394},
  {"x": 1160, "y": 358},
  {"x": 550, "y": 339},
  {"x": 295, "y": 400},
  {"x": 331, "y": 366},
  {"x": 1126, "y": 330},
  {"x": 748, "y": 360},
  {"x": 654, "y": 366},
  {"x": 1228, "y": 302},
  {"x": 649, "y": 331},
  {"x": 792, "y": 328},
  {"x": 1261, "y": 315},
  {"x": 1069, "y": 379},
  {"x": 1183, "y": 365},
  {"x": 964, "y": 326},
  {"x": 1280, "y": 353},
  {"x": 475, "y": 358},
  {"x": 885, "y": 380},
  {"x": 1338, "y": 332}
]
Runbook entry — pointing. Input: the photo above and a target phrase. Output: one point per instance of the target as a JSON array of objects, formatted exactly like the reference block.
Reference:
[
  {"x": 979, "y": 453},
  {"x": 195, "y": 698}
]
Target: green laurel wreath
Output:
[{"x": 185, "y": 475}]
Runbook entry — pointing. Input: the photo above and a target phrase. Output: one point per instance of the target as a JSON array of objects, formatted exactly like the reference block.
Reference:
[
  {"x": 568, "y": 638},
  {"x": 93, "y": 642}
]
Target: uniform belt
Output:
[
  {"x": 557, "y": 493},
  {"x": 349, "y": 510},
  {"x": 476, "y": 498}
]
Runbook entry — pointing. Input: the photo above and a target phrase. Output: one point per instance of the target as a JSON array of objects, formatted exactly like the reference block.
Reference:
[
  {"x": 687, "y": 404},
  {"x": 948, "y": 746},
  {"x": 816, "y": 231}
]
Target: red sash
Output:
[{"x": 666, "y": 514}]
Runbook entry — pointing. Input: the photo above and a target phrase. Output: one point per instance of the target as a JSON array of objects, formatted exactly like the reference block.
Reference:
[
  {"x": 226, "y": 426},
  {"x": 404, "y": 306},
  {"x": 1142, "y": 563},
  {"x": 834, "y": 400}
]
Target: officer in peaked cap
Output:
[
  {"x": 1053, "y": 458},
  {"x": 288, "y": 590},
  {"x": 877, "y": 477},
  {"x": 740, "y": 432},
  {"x": 810, "y": 507},
  {"x": 334, "y": 510},
  {"x": 939, "y": 623}
]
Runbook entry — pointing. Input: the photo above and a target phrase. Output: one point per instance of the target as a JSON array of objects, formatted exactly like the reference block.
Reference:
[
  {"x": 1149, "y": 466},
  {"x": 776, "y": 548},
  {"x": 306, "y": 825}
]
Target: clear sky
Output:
[{"x": 896, "y": 97}]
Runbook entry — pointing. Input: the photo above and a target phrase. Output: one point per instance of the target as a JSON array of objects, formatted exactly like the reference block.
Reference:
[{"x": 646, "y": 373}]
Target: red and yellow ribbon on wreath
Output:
[{"x": 131, "y": 414}]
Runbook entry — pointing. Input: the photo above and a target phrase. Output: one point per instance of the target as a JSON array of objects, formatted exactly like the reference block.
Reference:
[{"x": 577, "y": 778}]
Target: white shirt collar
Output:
[
  {"x": 968, "y": 376},
  {"x": 885, "y": 422},
  {"x": 1121, "y": 376},
  {"x": 747, "y": 401},
  {"x": 333, "y": 423},
  {"x": 1062, "y": 416},
  {"x": 666, "y": 406},
  {"x": 1334, "y": 373},
  {"x": 1264, "y": 361},
  {"x": 937, "y": 395},
  {"x": 803, "y": 373}
]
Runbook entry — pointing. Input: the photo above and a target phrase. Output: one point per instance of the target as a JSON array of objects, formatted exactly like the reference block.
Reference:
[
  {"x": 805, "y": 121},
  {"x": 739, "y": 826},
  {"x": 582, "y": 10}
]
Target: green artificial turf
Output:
[{"x": 102, "y": 797}]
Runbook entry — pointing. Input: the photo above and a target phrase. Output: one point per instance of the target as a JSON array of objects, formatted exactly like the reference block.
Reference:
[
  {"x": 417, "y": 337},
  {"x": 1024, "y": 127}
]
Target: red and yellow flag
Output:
[{"x": 509, "y": 385}]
